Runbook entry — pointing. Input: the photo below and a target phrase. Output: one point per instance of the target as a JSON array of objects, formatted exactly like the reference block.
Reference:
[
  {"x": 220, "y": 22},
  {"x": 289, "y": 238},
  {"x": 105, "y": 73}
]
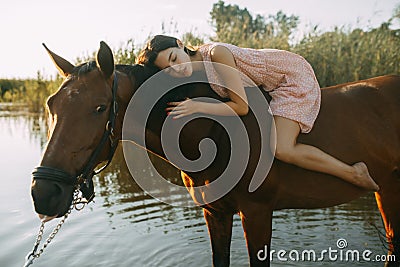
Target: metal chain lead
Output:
[{"x": 77, "y": 200}]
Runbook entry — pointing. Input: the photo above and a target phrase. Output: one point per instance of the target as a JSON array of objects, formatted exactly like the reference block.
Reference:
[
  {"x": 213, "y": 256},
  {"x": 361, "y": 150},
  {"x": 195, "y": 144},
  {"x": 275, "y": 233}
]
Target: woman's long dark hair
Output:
[{"x": 157, "y": 44}]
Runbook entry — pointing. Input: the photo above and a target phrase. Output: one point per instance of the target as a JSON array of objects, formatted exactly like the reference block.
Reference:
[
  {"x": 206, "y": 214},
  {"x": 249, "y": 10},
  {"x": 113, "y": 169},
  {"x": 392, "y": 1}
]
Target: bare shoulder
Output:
[{"x": 222, "y": 54}]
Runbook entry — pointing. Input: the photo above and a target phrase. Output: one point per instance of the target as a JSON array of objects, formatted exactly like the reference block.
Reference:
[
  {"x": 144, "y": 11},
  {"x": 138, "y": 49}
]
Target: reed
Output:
[
  {"x": 337, "y": 56},
  {"x": 344, "y": 55},
  {"x": 30, "y": 92}
]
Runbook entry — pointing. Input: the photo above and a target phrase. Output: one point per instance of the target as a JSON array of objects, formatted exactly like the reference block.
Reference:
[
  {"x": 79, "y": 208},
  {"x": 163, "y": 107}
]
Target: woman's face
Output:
[{"x": 175, "y": 61}]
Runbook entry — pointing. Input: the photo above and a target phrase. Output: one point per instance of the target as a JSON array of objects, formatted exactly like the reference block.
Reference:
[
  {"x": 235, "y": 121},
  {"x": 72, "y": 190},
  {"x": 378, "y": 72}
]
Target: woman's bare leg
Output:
[{"x": 312, "y": 158}]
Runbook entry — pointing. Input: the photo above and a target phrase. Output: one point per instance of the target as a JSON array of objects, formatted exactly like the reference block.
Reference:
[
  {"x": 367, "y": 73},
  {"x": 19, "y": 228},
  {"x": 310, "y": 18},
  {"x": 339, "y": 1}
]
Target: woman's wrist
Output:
[{"x": 198, "y": 107}]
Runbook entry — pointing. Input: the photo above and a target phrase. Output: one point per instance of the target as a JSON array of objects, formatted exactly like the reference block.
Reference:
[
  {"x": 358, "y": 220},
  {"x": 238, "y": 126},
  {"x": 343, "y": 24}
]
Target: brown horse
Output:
[{"x": 357, "y": 122}]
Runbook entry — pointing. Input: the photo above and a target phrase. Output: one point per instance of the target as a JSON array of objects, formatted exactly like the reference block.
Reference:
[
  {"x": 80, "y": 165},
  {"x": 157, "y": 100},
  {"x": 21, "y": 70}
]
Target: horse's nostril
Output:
[
  {"x": 47, "y": 196},
  {"x": 45, "y": 189},
  {"x": 58, "y": 189}
]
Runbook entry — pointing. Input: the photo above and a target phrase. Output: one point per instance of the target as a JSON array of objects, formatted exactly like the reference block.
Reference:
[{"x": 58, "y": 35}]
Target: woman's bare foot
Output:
[{"x": 362, "y": 177}]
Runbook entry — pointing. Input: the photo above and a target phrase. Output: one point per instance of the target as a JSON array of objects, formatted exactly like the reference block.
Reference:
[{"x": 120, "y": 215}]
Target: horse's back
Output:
[
  {"x": 360, "y": 109},
  {"x": 357, "y": 122}
]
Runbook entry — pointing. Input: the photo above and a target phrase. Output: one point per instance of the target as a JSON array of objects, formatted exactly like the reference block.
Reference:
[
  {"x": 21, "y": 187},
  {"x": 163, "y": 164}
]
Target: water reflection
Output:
[
  {"x": 292, "y": 229},
  {"x": 116, "y": 180},
  {"x": 12, "y": 114},
  {"x": 117, "y": 188},
  {"x": 150, "y": 233}
]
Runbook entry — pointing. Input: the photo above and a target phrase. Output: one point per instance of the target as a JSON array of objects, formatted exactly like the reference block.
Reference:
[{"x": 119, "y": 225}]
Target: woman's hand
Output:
[
  {"x": 182, "y": 108},
  {"x": 188, "y": 107}
]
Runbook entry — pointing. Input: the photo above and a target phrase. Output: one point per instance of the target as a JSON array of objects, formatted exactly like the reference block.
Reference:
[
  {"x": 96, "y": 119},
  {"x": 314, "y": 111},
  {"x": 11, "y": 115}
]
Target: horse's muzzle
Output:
[{"x": 45, "y": 218}]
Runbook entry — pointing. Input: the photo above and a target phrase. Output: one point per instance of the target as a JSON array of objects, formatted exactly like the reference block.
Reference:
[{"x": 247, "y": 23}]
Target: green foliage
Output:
[
  {"x": 126, "y": 54},
  {"x": 237, "y": 26},
  {"x": 396, "y": 12},
  {"x": 338, "y": 56},
  {"x": 341, "y": 56},
  {"x": 37, "y": 91},
  {"x": 32, "y": 92},
  {"x": 9, "y": 89},
  {"x": 191, "y": 39}
]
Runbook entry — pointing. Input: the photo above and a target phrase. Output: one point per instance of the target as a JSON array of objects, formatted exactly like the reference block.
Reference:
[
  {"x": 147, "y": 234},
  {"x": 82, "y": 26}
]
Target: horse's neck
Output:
[
  {"x": 189, "y": 137},
  {"x": 130, "y": 79}
]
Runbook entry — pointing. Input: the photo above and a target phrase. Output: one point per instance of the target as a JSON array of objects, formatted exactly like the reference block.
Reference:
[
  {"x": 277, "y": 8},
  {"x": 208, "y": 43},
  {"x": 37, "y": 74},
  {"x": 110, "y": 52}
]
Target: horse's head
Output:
[{"x": 82, "y": 115}]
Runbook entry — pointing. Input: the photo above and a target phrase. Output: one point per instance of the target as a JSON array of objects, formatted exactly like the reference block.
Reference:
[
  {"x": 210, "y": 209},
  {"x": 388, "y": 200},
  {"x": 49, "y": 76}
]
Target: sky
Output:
[{"x": 74, "y": 28}]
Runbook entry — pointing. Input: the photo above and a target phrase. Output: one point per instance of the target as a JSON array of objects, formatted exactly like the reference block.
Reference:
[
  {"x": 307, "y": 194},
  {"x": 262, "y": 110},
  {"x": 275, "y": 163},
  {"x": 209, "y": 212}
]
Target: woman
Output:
[{"x": 289, "y": 79}]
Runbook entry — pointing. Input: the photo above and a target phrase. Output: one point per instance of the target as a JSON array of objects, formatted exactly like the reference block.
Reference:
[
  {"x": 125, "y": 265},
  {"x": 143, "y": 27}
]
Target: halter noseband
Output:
[{"x": 84, "y": 180}]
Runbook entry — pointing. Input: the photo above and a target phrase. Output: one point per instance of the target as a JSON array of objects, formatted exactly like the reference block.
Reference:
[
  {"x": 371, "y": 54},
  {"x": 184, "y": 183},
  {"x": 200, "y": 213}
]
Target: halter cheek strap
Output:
[{"x": 84, "y": 180}]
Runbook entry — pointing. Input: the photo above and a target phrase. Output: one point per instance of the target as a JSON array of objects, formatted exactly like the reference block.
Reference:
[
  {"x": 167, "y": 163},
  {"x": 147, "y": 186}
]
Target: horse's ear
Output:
[
  {"x": 63, "y": 66},
  {"x": 105, "y": 60}
]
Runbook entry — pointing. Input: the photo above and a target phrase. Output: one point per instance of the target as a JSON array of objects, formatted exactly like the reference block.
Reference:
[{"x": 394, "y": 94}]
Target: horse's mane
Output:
[
  {"x": 84, "y": 68},
  {"x": 140, "y": 73},
  {"x": 137, "y": 73}
]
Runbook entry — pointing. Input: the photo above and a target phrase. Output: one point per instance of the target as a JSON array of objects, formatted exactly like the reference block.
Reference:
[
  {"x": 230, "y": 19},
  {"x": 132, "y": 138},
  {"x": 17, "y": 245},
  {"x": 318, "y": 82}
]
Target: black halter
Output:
[{"x": 84, "y": 180}]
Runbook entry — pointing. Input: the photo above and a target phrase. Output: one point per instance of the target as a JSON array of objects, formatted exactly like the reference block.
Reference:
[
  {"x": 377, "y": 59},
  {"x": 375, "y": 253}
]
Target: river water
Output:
[{"x": 125, "y": 227}]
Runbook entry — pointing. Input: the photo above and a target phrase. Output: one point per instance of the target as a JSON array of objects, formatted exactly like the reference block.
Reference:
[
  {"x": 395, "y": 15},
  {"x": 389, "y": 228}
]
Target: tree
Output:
[
  {"x": 396, "y": 12},
  {"x": 239, "y": 27},
  {"x": 191, "y": 39},
  {"x": 126, "y": 54}
]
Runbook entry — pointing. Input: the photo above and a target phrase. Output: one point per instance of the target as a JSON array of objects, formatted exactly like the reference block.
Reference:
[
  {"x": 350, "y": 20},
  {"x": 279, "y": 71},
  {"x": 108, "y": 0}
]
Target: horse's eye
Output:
[{"x": 101, "y": 108}]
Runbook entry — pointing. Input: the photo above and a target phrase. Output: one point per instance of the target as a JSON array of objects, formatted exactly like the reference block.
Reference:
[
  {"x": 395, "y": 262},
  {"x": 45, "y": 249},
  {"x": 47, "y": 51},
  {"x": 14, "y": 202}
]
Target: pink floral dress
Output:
[{"x": 288, "y": 77}]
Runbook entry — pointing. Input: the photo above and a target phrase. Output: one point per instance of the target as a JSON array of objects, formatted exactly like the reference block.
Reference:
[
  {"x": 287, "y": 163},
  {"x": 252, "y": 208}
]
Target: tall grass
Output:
[
  {"x": 349, "y": 55},
  {"x": 31, "y": 92},
  {"x": 338, "y": 56}
]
